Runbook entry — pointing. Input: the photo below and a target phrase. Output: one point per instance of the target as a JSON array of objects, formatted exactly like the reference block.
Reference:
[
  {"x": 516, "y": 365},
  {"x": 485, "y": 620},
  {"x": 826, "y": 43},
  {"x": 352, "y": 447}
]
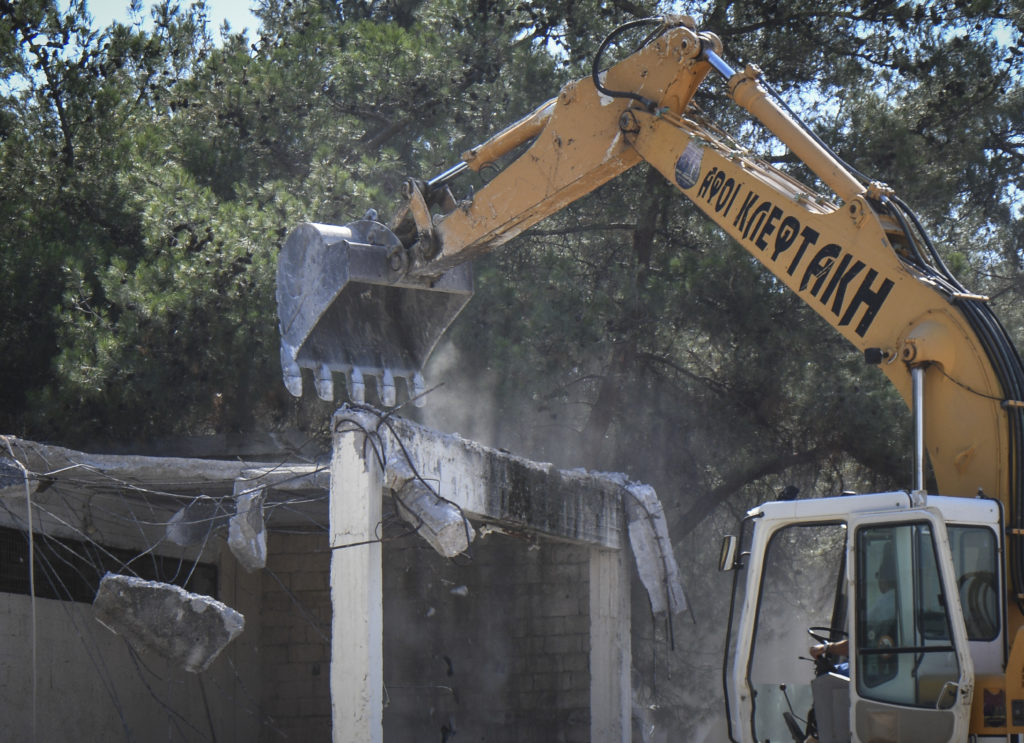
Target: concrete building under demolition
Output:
[{"x": 413, "y": 586}]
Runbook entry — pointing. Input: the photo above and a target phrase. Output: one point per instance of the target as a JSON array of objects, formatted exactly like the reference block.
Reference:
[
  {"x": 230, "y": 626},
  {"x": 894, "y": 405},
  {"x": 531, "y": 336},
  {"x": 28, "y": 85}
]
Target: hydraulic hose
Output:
[
  {"x": 1008, "y": 367},
  {"x": 596, "y": 67}
]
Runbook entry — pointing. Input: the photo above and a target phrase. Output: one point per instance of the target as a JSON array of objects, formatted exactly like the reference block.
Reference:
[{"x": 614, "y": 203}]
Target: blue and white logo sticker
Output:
[{"x": 688, "y": 166}]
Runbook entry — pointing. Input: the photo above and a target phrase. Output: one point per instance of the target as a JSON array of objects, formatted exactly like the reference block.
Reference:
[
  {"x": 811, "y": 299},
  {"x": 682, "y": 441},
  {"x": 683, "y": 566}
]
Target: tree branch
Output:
[{"x": 707, "y": 503}]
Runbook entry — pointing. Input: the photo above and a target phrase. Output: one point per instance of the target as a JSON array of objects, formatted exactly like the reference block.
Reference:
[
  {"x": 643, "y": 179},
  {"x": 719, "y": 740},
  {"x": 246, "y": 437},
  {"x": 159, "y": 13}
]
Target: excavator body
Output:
[{"x": 947, "y": 663}]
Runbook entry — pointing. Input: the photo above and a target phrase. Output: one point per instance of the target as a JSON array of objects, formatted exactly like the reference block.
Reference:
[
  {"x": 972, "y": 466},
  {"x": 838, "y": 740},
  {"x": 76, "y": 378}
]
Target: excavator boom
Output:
[{"x": 371, "y": 301}]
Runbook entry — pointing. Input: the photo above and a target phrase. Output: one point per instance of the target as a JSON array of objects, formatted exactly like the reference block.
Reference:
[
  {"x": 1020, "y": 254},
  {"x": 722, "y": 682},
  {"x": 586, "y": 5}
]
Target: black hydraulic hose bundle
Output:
[{"x": 1009, "y": 369}]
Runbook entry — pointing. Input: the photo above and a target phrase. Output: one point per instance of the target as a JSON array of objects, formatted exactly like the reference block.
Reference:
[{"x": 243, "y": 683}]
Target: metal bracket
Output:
[{"x": 428, "y": 244}]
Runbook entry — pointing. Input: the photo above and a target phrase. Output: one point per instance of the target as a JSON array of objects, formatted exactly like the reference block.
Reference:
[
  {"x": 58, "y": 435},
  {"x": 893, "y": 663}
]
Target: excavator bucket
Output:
[{"x": 345, "y": 307}]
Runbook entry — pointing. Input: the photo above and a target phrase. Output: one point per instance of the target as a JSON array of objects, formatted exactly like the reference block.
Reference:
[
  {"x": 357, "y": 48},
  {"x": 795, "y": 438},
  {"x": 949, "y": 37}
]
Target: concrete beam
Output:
[
  {"x": 55, "y": 463},
  {"x": 161, "y": 483},
  {"x": 499, "y": 488}
]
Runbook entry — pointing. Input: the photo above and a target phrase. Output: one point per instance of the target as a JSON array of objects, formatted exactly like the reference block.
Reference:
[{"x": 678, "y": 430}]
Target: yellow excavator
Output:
[{"x": 913, "y": 598}]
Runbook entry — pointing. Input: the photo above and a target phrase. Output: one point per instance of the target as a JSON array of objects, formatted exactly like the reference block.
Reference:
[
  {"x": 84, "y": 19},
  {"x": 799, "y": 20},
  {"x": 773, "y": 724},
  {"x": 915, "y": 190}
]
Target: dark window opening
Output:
[{"x": 71, "y": 570}]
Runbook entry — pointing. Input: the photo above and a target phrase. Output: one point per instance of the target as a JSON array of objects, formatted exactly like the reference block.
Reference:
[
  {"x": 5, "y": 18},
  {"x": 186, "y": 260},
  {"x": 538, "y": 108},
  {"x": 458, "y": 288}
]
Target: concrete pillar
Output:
[
  {"x": 357, "y": 656},
  {"x": 610, "y": 653}
]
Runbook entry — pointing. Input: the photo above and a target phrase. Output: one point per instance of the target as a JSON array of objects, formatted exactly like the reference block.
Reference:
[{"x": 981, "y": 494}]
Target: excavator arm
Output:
[
  {"x": 576, "y": 144},
  {"x": 856, "y": 256}
]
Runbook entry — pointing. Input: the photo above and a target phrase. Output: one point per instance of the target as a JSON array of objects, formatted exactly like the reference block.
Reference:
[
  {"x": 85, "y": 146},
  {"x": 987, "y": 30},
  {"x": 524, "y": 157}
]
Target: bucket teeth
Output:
[
  {"x": 388, "y": 394},
  {"x": 291, "y": 373},
  {"x": 416, "y": 389},
  {"x": 324, "y": 383},
  {"x": 357, "y": 389}
]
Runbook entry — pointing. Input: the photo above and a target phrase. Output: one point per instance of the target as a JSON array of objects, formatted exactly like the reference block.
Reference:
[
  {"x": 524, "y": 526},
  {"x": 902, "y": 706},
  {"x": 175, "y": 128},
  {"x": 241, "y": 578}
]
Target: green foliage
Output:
[{"x": 148, "y": 177}]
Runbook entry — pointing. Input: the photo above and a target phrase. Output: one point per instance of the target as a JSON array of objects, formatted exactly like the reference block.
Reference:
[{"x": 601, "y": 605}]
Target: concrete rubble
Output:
[
  {"x": 440, "y": 522},
  {"x": 247, "y": 535},
  {"x": 186, "y": 629},
  {"x": 652, "y": 549}
]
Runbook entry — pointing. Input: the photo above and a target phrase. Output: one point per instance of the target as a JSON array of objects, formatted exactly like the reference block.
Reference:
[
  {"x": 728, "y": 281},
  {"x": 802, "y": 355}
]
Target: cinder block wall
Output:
[
  {"x": 493, "y": 648},
  {"x": 489, "y": 648},
  {"x": 295, "y": 647}
]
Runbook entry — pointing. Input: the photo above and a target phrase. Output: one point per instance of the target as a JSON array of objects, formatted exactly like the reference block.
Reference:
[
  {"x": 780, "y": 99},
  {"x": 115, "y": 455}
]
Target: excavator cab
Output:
[{"x": 885, "y": 578}]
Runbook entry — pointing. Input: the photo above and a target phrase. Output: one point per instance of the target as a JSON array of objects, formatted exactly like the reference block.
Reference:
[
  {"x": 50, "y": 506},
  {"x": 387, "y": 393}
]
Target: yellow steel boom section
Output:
[
  {"x": 841, "y": 262},
  {"x": 840, "y": 259},
  {"x": 577, "y": 146},
  {"x": 853, "y": 257}
]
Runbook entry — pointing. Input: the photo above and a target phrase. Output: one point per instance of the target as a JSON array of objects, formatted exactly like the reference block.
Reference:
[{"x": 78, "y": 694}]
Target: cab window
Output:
[
  {"x": 904, "y": 654},
  {"x": 803, "y": 574},
  {"x": 974, "y": 559}
]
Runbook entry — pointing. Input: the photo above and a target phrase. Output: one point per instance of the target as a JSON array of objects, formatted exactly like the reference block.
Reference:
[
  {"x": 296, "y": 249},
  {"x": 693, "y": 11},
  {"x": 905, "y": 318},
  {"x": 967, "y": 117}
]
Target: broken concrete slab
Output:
[
  {"x": 652, "y": 548},
  {"x": 186, "y": 629},
  {"x": 50, "y": 460},
  {"x": 496, "y": 487},
  {"x": 440, "y": 523},
  {"x": 247, "y": 535},
  {"x": 161, "y": 481}
]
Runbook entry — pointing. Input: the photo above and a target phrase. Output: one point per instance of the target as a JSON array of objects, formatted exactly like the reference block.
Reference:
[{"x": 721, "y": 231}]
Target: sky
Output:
[{"x": 236, "y": 12}]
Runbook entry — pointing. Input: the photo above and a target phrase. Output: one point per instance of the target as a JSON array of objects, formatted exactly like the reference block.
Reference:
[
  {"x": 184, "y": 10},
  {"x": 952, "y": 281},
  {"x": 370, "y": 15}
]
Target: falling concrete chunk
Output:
[
  {"x": 247, "y": 537},
  {"x": 187, "y": 629},
  {"x": 13, "y": 478},
  {"x": 193, "y": 523},
  {"x": 439, "y": 522}
]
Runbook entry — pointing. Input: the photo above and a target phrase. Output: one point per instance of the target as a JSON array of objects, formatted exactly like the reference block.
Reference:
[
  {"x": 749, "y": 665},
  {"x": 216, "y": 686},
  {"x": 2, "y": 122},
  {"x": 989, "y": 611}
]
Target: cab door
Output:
[{"x": 911, "y": 678}]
